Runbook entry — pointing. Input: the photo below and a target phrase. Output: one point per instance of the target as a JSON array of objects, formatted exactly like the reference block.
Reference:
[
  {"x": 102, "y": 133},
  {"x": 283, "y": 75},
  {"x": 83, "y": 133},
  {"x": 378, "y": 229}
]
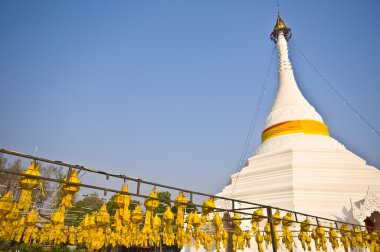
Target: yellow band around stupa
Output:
[{"x": 299, "y": 126}]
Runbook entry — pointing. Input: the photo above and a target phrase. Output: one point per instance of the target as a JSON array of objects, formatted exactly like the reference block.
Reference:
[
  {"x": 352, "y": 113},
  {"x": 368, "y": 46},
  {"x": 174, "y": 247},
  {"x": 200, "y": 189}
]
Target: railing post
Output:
[
  {"x": 227, "y": 224},
  {"x": 138, "y": 187},
  {"x": 273, "y": 234}
]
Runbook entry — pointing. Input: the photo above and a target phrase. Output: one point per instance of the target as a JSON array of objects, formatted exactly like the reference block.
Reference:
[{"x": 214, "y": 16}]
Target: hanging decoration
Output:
[
  {"x": 373, "y": 246},
  {"x": 238, "y": 235},
  {"x": 30, "y": 221},
  {"x": 220, "y": 235},
  {"x": 28, "y": 184},
  {"x": 9, "y": 214},
  {"x": 267, "y": 230},
  {"x": 102, "y": 220},
  {"x": 287, "y": 237},
  {"x": 180, "y": 203},
  {"x": 207, "y": 207},
  {"x": 122, "y": 218},
  {"x": 333, "y": 239},
  {"x": 344, "y": 237},
  {"x": 70, "y": 190},
  {"x": 257, "y": 217},
  {"x": 303, "y": 235},
  {"x": 151, "y": 203},
  {"x": 168, "y": 234},
  {"x": 57, "y": 223},
  {"x": 136, "y": 218}
]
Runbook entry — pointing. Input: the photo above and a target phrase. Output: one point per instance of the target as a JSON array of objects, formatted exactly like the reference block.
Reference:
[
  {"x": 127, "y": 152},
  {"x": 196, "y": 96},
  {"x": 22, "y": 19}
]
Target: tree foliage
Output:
[
  {"x": 91, "y": 201},
  {"x": 164, "y": 198},
  {"x": 111, "y": 205},
  {"x": 133, "y": 204},
  {"x": 88, "y": 204}
]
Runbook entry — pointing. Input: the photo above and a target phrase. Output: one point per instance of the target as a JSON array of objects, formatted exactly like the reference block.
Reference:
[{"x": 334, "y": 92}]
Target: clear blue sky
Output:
[{"x": 165, "y": 90}]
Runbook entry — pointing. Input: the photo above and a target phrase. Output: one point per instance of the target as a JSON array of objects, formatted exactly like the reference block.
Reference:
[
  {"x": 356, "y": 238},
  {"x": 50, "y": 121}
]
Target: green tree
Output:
[
  {"x": 133, "y": 204},
  {"x": 91, "y": 201},
  {"x": 111, "y": 205},
  {"x": 164, "y": 198},
  {"x": 87, "y": 205}
]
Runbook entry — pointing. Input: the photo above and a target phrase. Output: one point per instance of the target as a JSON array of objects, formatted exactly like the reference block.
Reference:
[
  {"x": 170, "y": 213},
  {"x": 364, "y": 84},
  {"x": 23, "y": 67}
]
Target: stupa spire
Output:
[{"x": 291, "y": 112}]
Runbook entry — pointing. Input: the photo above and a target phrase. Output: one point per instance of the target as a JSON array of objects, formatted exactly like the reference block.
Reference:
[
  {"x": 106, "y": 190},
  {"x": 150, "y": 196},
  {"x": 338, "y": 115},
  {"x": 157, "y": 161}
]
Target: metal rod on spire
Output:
[{"x": 278, "y": 7}]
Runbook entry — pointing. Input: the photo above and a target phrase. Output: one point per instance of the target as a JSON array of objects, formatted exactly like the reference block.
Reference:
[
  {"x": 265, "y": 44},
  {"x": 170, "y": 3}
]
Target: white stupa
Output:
[{"x": 298, "y": 166}]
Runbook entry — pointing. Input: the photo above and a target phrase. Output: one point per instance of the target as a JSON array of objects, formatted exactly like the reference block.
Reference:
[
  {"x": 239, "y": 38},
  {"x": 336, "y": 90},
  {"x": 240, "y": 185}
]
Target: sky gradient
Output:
[{"x": 165, "y": 90}]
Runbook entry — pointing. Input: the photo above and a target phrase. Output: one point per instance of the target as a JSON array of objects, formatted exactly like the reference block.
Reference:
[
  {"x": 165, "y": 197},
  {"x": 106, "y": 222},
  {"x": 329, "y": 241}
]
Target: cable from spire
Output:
[
  {"x": 345, "y": 101},
  {"x": 253, "y": 121}
]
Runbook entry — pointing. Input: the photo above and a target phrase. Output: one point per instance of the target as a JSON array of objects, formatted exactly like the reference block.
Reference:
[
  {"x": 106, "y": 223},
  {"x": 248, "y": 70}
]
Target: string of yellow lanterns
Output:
[{"x": 95, "y": 231}]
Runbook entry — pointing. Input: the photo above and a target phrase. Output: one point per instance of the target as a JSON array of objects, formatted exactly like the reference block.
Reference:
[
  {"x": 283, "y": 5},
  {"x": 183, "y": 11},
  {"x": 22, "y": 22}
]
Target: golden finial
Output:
[{"x": 280, "y": 26}]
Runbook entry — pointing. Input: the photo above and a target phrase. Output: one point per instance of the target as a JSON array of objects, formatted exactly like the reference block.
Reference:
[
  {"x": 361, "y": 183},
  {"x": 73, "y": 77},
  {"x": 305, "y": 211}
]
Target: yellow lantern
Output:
[
  {"x": 72, "y": 235},
  {"x": 156, "y": 230},
  {"x": 373, "y": 246},
  {"x": 122, "y": 200},
  {"x": 180, "y": 203},
  {"x": 14, "y": 213},
  {"x": 303, "y": 236},
  {"x": 208, "y": 206},
  {"x": 69, "y": 189},
  {"x": 122, "y": 214},
  {"x": 136, "y": 215},
  {"x": 333, "y": 238},
  {"x": 19, "y": 229},
  {"x": 267, "y": 234},
  {"x": 28, "y": 184},
  {"x": 256, "y": 218},
  {"x": 168, "y": 235},
  {"x": 344, "y": 237},
  {"x": 152, "y": 202},
  {"x": 259, "y": 240},
  {"x": 58, "y": 216},
  {"x": 276, "y": 218},
  {"x": 6, "y": 203},
  {"x": 31, "y": 219},
  {"x": 287, "y": 237},
  {"x": 102, "y": 218}
]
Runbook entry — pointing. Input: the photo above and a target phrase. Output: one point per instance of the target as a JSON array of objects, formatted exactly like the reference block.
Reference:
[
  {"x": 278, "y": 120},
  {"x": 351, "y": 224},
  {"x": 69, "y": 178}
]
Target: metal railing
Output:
[{"x": 232, "y": 203}]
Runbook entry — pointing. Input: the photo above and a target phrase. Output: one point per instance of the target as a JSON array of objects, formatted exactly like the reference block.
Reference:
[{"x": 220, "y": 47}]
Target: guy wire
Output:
[
  {"x": 345, "y": 101},
  {"x": 254, "y": 119}
]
